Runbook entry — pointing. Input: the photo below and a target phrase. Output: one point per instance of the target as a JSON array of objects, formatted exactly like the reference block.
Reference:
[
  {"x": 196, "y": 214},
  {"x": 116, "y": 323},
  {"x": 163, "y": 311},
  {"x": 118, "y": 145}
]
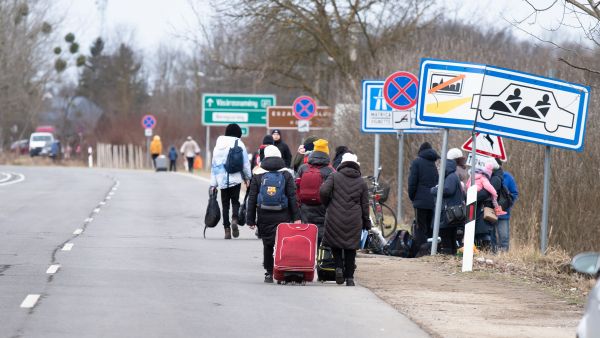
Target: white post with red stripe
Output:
[{"x": 469, "y": 236}]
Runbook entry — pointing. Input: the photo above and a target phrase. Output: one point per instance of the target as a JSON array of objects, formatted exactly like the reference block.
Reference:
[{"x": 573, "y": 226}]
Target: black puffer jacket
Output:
[
  {"x": 267, "y": 221},
  {"x": 452, "y": 194},
  {"x": 345, "y": 194},
  {"x": 286, "y": 155},
  {"x": 422, "y": 177},
  {"x": 315, "y": 214}
]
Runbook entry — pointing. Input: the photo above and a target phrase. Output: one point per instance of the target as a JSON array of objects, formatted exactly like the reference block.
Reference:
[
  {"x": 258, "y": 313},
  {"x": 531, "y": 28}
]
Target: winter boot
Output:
[
  {"x": 350, "y": 282},
  {"x": 268, "y": 278},
  {"x": 227, "y": 233},
  {"x": 234, "y": 228},
  {"x": 339, "y": 276}
]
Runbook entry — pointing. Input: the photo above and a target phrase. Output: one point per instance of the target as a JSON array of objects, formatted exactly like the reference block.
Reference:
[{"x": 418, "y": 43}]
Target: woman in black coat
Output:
[
  {"x": 452, "y": 196},
  {"x": 268, "y": 220},
  {"x": 346, "y": 196}
]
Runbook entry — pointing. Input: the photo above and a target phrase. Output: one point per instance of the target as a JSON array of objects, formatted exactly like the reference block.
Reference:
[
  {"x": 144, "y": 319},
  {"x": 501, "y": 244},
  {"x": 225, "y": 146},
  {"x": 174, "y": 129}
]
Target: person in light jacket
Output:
[{"x": 189, "y": 150}]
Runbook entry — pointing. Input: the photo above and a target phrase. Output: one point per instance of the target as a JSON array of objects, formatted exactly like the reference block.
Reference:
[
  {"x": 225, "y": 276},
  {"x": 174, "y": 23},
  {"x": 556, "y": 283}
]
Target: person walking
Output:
[
  {"x": 155, "y": 149},
  {"x": 503, "y": 225},
  {"x": 230, "y": 152},
  {"x": 303, "y": 152},
  {"x": 172, "y": 159},
  {"x": 423, "y": 176},
  {"x": 286, "y": 155},
  {"x": 339, "y": 152},
  {"x": 271, "y": 182},
  {"x": 461, "y": 164},
  {"x": 346, "y": 197},
  {"x": 453, "y": 195},
  {"x": 189, "y": 149},
  {"x": 310, "y": 179},
  {"x": 259, "y": 155}
]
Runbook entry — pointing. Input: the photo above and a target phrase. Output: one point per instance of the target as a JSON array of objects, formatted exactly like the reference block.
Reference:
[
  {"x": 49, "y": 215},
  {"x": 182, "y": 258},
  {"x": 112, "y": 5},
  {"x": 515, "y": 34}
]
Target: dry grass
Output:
[{"x": 11, "y": 159}]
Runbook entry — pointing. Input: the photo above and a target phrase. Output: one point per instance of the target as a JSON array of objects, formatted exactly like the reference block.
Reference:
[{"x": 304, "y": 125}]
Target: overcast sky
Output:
[{"x": 154, "y": 21}]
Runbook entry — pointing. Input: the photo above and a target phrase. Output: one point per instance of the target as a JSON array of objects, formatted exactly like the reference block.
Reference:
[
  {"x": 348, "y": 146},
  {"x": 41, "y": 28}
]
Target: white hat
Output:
[
  {"x": 272, "y": 151},
  {"x": 454, "y": 153},
  {"x": 348, "y": 157}
]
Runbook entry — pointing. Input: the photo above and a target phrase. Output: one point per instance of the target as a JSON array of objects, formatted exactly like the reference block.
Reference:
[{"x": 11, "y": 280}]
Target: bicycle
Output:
[{"x": 382, "y": 216}]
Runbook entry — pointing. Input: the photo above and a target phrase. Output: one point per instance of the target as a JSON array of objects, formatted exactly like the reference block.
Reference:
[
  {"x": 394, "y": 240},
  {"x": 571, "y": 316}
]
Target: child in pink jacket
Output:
[{"x": 482, "y": 181}]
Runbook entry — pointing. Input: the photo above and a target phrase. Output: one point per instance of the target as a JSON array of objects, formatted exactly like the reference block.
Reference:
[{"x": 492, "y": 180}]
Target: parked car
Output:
[
  {"x": 20, "y": 147},
  {"x": 39, "y": 143},
  {"x": 589, "y": 263}
]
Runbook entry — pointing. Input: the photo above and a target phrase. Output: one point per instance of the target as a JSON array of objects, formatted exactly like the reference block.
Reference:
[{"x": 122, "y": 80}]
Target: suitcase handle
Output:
[{"x": 301, "y": 227}]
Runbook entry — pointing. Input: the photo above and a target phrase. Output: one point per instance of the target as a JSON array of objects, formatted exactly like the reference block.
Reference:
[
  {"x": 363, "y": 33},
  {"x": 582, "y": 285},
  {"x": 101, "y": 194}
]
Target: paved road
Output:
[{"x": 140, "y": 267}]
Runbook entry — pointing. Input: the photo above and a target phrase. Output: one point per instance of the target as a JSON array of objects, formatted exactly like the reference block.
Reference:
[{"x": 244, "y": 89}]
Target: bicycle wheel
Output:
[{"x": 389, "y": 223}]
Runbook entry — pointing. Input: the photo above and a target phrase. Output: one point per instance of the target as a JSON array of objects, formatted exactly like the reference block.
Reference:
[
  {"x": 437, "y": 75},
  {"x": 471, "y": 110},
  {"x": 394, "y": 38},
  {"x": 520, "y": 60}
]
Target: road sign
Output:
[
  {"x": 282, "y": 117},
  {"x": 304, "y": 108},
  {"x": 148, "y": 132},
  {"x": 303, "y": 126},
  {"x": 243, "y": 109},
  {"x": 148, "y": 121},
  {"x": 480, "y": 160},
  {"x": 487, "y": 145},
  {"x": 506, "y": 102},
  {"x": 400, "y": 90},
  {"x": 378, "y": 117}
]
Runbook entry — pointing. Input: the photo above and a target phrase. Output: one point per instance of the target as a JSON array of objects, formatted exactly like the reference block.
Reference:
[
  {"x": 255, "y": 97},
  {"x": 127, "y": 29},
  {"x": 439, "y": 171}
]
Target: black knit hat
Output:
[
  {"x": 268, "y": 139},
  {"x": 233, "y": 130},
  {"x": 276, "y": 131},
  {"x": 424, "y": 145}
]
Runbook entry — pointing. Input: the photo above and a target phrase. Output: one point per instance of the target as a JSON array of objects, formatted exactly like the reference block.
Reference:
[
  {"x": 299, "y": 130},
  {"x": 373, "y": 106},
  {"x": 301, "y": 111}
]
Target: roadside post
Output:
[
  {"x": 379, "y": 117},
  {"x": 502, "y": 102},
  {"x": 148, "y": 123},
  {"x": 90, "y": 157}
]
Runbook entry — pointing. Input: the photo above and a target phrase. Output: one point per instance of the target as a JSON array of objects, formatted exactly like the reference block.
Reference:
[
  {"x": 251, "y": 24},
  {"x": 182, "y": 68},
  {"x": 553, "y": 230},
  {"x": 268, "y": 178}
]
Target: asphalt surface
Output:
[{"x": 136, "y": 265}]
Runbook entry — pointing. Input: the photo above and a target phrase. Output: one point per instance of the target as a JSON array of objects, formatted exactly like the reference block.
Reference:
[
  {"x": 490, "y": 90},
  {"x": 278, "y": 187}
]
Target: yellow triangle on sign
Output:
[{"x": 444, "y": 107}]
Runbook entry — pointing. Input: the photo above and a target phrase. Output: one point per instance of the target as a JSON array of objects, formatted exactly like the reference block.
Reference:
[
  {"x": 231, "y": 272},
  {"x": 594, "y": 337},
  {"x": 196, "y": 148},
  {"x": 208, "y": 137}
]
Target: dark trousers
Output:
[
  {"x": 346, "y": 261},
  {"x": 190, "y": 164},
  {"x": 422, "y": 230},
  {"x": 154, "y": 156},
  {"x": 230, "y": 196},
  {"x": 268, "y": 249},
  {"x": 448, "y": 245},
  {"x": 173, "y": 165}
]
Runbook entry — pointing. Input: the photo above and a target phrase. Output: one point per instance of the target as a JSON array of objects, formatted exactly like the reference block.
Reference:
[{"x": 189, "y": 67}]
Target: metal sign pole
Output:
[
  {"x": 148, "y": 161},
  {"x": 544, "y": 226},
  {"x": 440, "y": 192},
  {"x": 207, "y": 162},
  {"x": 376, "y": 156},
  {"x": 400, "y": 174}
]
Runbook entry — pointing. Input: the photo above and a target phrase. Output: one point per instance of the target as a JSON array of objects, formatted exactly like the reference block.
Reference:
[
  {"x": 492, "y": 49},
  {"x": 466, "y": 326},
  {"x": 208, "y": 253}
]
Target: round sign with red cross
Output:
[
  {"x": 304, "y": 108},
  {"x": 400, "y": 90},
  {"x": 148, "y": 121}
]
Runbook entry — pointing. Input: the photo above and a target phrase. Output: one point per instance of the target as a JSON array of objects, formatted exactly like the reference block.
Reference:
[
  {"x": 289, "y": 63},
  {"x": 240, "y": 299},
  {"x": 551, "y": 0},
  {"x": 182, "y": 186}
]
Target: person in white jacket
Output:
[
  {"x": 229, "y": 183},
  {"x": 189, "y": 150}
]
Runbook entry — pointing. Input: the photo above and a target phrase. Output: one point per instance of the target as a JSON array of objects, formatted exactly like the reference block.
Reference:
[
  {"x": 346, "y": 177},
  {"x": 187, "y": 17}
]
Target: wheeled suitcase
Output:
[
  {"x": 162, "y": 164},
  {"x": 295, "y": 253},
  {"x": 325, "y": 264}
]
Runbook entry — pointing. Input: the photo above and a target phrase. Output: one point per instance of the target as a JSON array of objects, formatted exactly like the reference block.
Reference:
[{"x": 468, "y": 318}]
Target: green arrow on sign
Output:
[{"x": 243, "y": 109}]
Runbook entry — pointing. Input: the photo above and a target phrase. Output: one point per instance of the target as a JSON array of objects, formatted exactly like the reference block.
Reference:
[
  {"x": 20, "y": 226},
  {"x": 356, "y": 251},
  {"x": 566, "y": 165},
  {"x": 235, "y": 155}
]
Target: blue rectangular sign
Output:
[
  {"x": 505, "y": 102},
  {"x": 379, "y": 118}
]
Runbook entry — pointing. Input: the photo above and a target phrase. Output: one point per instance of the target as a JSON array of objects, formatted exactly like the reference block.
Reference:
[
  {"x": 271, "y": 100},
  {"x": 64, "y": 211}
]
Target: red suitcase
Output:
[{"x": 295, "y": 252}]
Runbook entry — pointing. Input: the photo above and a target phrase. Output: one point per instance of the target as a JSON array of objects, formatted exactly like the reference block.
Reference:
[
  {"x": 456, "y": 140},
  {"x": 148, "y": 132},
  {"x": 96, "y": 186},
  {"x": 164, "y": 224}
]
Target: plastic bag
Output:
[
  {"x": 213, "y": 212},
  {"x": 242, "y": 212}
]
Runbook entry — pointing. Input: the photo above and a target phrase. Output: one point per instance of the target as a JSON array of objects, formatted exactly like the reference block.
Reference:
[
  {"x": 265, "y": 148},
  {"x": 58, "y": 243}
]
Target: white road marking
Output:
[
  {"x": 102, "y": 203},
  {"x": 97, "y": 210},
  {"x": 30, "y": 301},
  {"x": 111, "y": 193},
  {"x": 20, "y": 178},
  {"x": 7, "y": 177},
  {"x": 108, "y": 197},
  {"x": 68, "y": 247},
  {"x": 53, "y": 268},
  {"x": 194, "y": 176},
  {"x": 88, "y": 220},
  {"x": 78, "y": 232}
]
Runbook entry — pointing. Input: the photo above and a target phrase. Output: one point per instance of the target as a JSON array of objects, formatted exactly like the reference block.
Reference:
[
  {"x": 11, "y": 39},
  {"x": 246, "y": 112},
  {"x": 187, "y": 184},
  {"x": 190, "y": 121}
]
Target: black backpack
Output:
[
  {"x": 235, "y": 159},
  {"x": 213, "y": 212},
  {"x": 399, "y": 245}
]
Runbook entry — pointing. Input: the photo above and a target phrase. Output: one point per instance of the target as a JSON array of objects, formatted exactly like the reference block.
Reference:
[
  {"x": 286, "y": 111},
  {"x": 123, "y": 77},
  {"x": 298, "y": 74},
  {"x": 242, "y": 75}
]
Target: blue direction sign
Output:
[
  {"x": 400, "y": 90},
  {"x": 304, "y": 108},
  {"x": 377, "y": 116},
  {"x": 148, "y": 121},
  {"x": 505, "y": 102}
]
